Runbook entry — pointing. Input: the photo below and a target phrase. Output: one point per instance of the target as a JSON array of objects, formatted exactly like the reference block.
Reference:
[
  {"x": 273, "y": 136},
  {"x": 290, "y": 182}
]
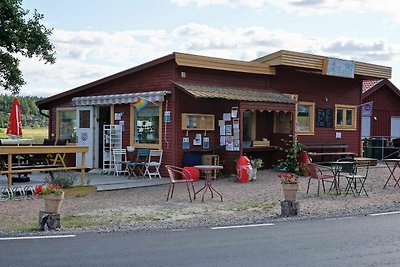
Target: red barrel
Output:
[{"x": 243, "y": 168}]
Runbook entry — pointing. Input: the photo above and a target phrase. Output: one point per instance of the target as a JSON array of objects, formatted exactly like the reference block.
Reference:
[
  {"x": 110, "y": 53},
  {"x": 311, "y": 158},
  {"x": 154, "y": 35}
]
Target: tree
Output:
[{"x": 26, "y": 37}]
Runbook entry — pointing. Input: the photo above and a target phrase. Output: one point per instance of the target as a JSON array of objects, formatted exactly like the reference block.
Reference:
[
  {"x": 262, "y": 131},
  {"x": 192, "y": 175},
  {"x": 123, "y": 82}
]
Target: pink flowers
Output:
[{"x": 288, "y": 178}]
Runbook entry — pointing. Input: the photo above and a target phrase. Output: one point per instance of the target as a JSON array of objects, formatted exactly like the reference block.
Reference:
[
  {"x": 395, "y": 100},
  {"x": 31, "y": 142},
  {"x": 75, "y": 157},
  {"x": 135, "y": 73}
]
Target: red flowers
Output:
[
  {"x": 48, "y": 188},
  {"x": 288, "y": 178}
]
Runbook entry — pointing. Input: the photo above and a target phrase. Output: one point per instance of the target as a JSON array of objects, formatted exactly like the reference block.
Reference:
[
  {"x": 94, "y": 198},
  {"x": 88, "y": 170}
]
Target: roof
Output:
[
  {"x": 43, "y": 103},
  {"x": 222, "y": 64},
  {"x": 379, "y": 85},
  {"x": 263, "y": 66},
  {"x": 234, "y": 93},
  {"x": 316, "y": 62}
]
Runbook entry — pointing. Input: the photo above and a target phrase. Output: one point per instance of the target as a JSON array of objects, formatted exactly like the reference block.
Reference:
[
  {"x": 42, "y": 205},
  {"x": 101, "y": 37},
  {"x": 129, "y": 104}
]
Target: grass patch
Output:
[
  {"x": 37, "y": 133},
  {"x": 251, "y": 205},
  {"x": 78, "y": 221}
]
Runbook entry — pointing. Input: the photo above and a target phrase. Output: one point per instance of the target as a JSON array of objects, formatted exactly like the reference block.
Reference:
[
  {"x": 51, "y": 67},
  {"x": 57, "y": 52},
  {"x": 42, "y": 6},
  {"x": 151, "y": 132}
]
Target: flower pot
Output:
[
  {"x": 290, "y": 191},
  {"x": 253, "y": 174},
  {"x": 52, "y": 202}
]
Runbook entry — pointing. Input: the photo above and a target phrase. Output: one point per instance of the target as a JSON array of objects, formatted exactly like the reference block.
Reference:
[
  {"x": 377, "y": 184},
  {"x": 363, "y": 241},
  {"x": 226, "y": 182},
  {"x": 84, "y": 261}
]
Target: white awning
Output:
[{"x": 155, "y": 96}]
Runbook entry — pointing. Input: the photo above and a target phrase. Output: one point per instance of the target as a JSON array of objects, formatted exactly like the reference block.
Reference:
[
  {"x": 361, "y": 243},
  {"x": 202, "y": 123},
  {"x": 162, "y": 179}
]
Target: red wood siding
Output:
[
  {"x": 386, "y": 105},
  {"x": 313, "y": 88}
]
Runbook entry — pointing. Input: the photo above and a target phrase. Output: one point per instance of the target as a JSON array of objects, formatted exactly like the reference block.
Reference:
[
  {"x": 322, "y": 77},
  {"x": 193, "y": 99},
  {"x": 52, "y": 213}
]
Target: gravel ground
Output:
[{"x": 254, "y": 202}]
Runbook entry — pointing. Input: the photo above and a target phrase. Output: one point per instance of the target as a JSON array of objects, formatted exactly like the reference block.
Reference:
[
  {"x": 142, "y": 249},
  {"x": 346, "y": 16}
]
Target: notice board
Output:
[{"x": 324, "y": 117}]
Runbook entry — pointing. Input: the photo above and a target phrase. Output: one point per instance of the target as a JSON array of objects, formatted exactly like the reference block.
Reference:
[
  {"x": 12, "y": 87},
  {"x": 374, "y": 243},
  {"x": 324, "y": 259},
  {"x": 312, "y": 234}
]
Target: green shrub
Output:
[{"x": 68, "y": 179}]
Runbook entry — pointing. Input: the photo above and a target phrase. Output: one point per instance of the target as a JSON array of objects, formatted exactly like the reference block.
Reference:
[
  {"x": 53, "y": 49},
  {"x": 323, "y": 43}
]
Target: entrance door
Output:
[
  {"x": 395, "y": 127},
  {"x": 366, "y": 127},
  {"x": 85, "y": 133}
]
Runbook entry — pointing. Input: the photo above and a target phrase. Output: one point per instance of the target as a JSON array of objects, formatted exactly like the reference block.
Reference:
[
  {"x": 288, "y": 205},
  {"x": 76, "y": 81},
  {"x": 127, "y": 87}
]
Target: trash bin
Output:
[
  {"x": 243, "y": 168},
  {"x": 377, "y": 145},
  {"x": 368, "y": 148}
]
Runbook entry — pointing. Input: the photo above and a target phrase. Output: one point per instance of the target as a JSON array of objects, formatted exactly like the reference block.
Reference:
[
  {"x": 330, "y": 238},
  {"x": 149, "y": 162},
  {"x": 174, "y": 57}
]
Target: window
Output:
[
  {"x": 146, "y": 126},
  {"x": 305, "y": 118},
  {"x": 345, "y": 117},
  {"x": 66, "y": 124},
  {"x": 283, "y": 122},
  {"x": 247, "y": 126}
]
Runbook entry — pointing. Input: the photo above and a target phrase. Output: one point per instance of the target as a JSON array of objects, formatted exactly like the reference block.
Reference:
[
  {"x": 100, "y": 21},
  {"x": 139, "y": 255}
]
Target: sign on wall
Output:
[{"x": 339, "y": 67}]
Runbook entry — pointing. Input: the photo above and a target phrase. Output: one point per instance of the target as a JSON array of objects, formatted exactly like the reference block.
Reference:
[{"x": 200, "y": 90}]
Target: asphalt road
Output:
[{"x": 352, "y": 241}]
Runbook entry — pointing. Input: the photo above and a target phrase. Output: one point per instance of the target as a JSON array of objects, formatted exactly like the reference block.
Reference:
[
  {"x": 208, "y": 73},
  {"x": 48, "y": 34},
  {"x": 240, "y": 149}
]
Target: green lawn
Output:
[{"x": 39, "y": 133}]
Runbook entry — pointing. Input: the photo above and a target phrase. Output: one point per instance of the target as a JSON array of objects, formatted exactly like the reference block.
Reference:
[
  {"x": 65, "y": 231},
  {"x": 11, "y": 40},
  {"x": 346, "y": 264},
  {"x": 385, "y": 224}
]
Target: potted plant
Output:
[
  {"x": 52, "y": 194},
  {"x": 290, "y": 162},
  {"x": 290, "y": 185},
  {"x": 255, "y": 165}
]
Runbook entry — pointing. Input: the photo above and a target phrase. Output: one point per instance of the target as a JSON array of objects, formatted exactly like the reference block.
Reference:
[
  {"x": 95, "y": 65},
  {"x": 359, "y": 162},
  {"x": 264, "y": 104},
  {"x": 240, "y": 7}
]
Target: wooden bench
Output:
[{"x": 327, "y": 149}]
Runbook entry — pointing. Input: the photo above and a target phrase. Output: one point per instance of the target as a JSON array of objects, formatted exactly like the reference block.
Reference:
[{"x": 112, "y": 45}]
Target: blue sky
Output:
[{"x": 95, "y": 39}]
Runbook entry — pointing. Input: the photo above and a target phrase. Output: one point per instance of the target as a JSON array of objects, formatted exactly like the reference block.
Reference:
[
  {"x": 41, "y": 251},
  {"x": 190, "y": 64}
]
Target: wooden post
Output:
[
  {"x": 49, "y": 221},
  {"x": 83, "y": 166},
  {"x": 289, "y": 208}
]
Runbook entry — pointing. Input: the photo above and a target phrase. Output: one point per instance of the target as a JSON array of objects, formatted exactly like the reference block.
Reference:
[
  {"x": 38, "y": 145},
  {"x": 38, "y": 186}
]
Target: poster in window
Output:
[
  {"x": 236, "y": 145},
  {"x": 235, "y": 123},
  {"x": 185, "y": 143},
  {"x": 227, "y": 116},
  {"x": 222, "y": 130},
  {"x": 197, "y": 140},
  {"x": 228, "y": 129},
  {"x": 324, "y": 117},
  {"x": 229, "y": 143},
  {"x": 222, "y": 141},
  {"x": 234, "y": 112},
  {"x": 206, "y": 142},
  {"x": 236, "y": 133}
]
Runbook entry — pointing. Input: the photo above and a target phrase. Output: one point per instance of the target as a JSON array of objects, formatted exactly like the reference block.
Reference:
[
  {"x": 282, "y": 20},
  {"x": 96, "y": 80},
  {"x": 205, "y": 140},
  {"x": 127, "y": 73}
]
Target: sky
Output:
[{"x": 95, "y": 39}]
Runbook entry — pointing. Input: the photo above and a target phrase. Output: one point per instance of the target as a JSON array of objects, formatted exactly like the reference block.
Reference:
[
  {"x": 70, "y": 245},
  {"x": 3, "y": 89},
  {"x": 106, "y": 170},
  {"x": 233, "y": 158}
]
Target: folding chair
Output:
[
  {"x": 179, "y": 175},
  {"x": 356, "y": 178},
  {"x": 152, "y": 166},
  {"x": 346, "y": 168},
  {"x": 120, "y": 162},
  {"x": 141, "y": 158}
]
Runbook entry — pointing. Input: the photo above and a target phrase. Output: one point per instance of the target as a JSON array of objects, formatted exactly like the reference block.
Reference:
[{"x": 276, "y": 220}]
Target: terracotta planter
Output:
[
  {"x": 290, "y": 191},
  {"x": 52, "y": 202}
]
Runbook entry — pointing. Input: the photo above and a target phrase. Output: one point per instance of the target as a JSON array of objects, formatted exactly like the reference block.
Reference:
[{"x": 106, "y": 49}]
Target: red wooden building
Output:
[
  {"x": 385, "y": 118},
  {"x": 218, "y": 106}
]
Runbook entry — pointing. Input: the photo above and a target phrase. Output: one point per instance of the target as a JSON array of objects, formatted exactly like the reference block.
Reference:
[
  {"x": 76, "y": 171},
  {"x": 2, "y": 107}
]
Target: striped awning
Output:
[
  {"x": 154, "y": 96},
  {"x": 234, "y": 93}
]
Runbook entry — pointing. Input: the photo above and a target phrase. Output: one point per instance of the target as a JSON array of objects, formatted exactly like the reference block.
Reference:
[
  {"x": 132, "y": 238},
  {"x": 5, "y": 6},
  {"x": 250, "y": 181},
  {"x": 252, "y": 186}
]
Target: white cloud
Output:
[
  {"x": 86, "y": 56},
  {"x": 308, "y": 7}
]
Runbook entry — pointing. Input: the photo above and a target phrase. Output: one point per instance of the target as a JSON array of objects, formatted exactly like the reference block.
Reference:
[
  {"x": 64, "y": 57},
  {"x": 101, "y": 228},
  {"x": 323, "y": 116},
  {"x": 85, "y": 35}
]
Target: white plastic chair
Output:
[
  {"x": 120, "y": 161},
  {"x": 152, "y": 166}
]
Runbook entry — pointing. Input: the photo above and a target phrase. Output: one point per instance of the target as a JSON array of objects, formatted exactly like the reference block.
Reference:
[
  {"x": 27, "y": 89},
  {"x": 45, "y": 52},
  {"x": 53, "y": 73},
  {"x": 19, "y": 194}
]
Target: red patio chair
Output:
[
  {"x": 316, "y": 173},
  {"x": 178, "y": 175}
]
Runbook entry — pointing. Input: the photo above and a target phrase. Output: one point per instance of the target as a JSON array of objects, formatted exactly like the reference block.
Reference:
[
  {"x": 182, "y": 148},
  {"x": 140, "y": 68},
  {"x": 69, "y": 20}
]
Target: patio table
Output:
[
  {"x": 336, "y": 167},
  {"x": 207, "y": 170},
  {"x": 392, "y": 168}
]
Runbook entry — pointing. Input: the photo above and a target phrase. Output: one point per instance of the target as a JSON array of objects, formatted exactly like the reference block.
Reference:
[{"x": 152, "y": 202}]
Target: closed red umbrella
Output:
[{"x": 14, "y": 123}]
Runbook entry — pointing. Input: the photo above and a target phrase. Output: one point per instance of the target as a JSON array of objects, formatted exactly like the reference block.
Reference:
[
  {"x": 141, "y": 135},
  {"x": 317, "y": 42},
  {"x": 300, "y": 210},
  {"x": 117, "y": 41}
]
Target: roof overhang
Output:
[
  {"x": 234, "y": 93},
  {"x": 316, "y": 62},
  {"x": 156, "y": 96},
  {"x": 197, "y": 61}
]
